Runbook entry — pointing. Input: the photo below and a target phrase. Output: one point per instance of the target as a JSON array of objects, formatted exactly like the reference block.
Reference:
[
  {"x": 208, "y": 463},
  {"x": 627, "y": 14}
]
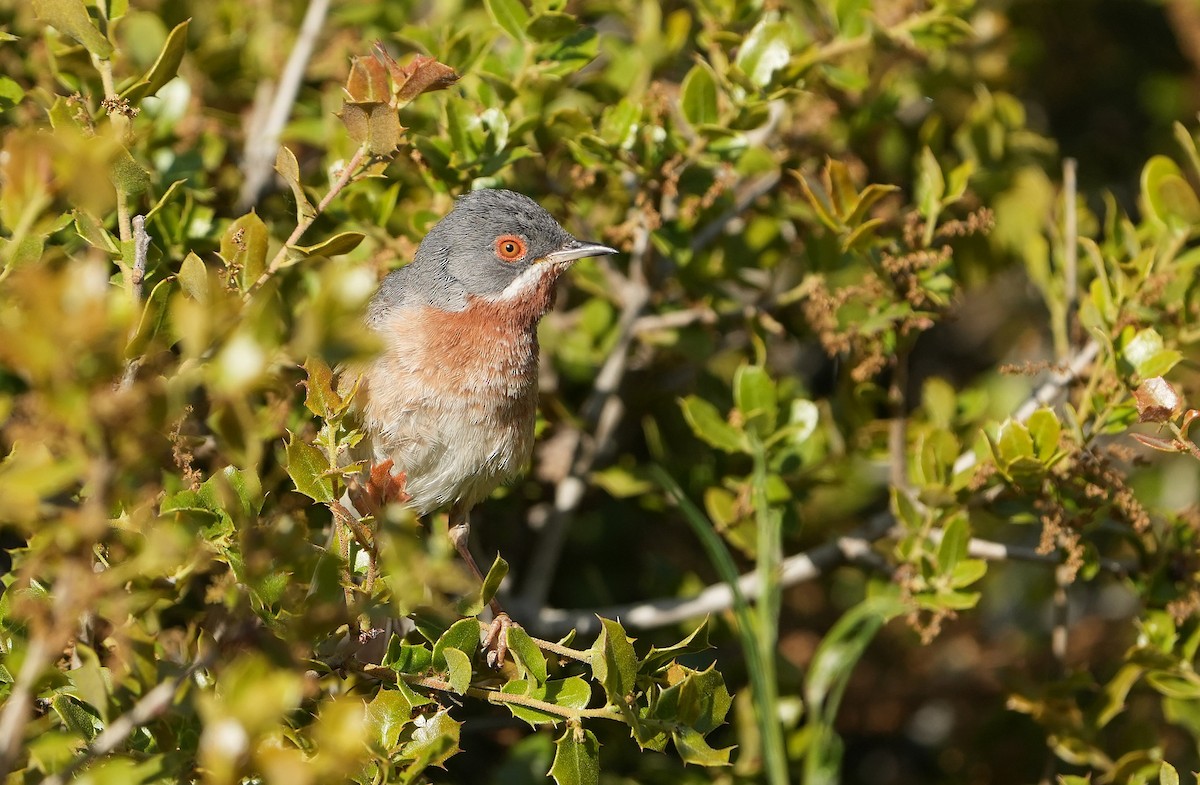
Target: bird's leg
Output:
[{"x": 496, "y": 640}]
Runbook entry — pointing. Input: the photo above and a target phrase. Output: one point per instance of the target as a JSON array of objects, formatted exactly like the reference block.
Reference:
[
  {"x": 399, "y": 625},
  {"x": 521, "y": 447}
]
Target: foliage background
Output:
[{"x": 836, "y": 347}]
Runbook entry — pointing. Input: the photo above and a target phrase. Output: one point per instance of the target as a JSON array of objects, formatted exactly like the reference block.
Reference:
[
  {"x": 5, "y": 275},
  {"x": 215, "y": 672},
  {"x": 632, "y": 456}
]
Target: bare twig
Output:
[
  {"x": 263, "y": 143},
  {"x": 20, "y": 700},
  {"x": 137, "y": 276},
  {"x": 674, "y": 320},
  {"x": 796, "y": 569},
  {"x": 809, "y": 565},
  {"x": 493, "y": 696}
]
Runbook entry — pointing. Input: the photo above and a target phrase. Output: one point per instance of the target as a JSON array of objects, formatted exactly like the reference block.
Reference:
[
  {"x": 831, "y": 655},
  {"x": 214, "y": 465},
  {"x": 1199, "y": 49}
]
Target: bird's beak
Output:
[{"x": 577, "y": 249}]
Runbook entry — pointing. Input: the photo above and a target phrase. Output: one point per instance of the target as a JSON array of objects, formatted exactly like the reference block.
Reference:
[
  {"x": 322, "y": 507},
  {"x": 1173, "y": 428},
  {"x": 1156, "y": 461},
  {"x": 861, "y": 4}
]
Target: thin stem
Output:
[
  {"x": 769, "y": 558},
  {"x": 135, "y": 279},
  {"x": 348, "y": 172},
  {"x": 898, "y": 425},
  {"x": 494, "y": 696},
  {"x": 1070, "y": 251},
  {"x": 16, "y": 708}
]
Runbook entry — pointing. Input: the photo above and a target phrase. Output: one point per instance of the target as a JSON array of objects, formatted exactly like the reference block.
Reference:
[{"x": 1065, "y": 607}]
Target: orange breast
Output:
[{"x": 453, "y": 397}]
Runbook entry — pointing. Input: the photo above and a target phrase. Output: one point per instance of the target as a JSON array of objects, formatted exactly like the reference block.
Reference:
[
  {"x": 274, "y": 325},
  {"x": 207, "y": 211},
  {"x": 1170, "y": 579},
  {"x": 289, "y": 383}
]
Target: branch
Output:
[
  {"x": 263, "y": 143},
  {"x": 20, "y": 700},
  {"x": 492, "y": 696},
  {"x": 348, "y": 172},
  {"x": 806, "y": 566},
  {"x": 141, "y": 249}
]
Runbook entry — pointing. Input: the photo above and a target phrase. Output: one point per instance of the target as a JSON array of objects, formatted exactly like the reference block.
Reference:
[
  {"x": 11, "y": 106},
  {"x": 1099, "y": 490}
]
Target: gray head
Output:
[
  {"x": 489, "y": 241},
  {"x": 492, "y": 236}
]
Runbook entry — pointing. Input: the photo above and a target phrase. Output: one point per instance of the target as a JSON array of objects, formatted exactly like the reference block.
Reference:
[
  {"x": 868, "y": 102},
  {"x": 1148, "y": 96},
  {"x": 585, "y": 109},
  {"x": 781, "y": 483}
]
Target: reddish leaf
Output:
[{"x": 1157, "y": 443}]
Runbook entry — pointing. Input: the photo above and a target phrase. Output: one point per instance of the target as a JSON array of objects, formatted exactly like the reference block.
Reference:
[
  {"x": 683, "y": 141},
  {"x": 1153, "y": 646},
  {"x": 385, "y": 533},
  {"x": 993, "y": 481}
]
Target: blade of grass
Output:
[{"x": 760, "y": 663}]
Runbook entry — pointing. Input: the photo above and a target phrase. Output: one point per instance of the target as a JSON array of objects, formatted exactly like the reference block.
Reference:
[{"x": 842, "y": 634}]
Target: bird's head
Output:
[{"x": 498, "y": 244}]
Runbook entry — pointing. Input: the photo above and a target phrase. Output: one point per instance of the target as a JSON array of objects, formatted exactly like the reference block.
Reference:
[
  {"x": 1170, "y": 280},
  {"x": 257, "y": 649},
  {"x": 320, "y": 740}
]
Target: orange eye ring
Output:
[{"x": 510, "y": 248}]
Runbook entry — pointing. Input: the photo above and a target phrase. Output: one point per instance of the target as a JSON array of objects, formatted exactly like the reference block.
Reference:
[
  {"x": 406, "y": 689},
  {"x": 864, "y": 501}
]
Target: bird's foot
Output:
[{"x": 495, "y": 643}]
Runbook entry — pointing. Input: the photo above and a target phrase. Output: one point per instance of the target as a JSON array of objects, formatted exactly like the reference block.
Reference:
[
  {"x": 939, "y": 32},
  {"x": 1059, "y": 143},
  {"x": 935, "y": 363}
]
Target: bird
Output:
[{"x": 449, "y": 403}]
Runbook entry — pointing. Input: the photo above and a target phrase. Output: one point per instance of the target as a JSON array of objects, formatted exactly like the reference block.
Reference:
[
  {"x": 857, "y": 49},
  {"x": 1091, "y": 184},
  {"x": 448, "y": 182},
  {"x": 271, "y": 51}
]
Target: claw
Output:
[{"x": 495, "y": 643}]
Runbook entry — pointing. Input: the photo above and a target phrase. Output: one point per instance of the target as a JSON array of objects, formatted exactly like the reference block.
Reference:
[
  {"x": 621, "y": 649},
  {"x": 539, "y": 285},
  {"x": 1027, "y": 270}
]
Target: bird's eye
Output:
[{"x": 509, "y": 247}]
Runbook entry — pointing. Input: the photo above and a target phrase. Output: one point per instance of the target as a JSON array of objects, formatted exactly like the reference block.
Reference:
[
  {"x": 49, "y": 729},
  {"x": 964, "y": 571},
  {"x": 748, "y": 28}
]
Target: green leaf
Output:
[
  {"x": 867, "y": 199},
  {"x": 193, "y": 278},
  {"x": 458, "y": 669},
  {"x": 128, "y": 176},
  {"x": 76, "y": 717},
  {"x": 433, "y": 742},
  {"x": 696, "y": 642},
  {"x": 755, "y": 396},
  {"x": 955, "y": 537},
  {"x": 552, "y": 26},
  {"x": 289, "y": 169},
  {"x": 1159, "y": 363},
  {"x": 1141, "y": 348},
  {"x": 154, "y": 316},
  {"x": 571, "y": 693},
  {"x": 1045, "y": 431},
  {"x": 956, "y": 184},
  {"x": 406, "y": 657},
  {"x": 168, "y": 194},
  {"x": 930, "y": 186},
  {"x": 615, "y": 664},
  {"x": 529, "y": 658},
  {"x": 387, "y": 715},
  {"x": 306, "y": 465},
  {"x": 472, "y": 604},
  {"x": 341, "y": 243},
  {"x": 11, "y": 93},
  {"x": 1167, "y": 774},
  {"x": 165, "y": 67},
  {"x": 1014, "y": 442},
  {"x": 699, "y": 700},
  {"x": 1167, "y": 194},
  {"x": 463, "y": 635},
  {"x": 1183, "y": 685},
  {"x": 244, "y": 246},
  {"x": 692, "y": 748},
  {"x": 699, "y": 96},
  {"x": 320, "y": 398},
  {"x": 765, "y": 49},
  {"x": 70, "y": 17},
  {"x": 708, "y": 425},
  {"x": 19, "y": 254},
  {"x": 576, "y": 758},
  {"x": 619, "y": 123},
  {"x": 510, "y": 15},
  {"x": 1115, "y": 694},
  {"x": 967, "y": 572}
]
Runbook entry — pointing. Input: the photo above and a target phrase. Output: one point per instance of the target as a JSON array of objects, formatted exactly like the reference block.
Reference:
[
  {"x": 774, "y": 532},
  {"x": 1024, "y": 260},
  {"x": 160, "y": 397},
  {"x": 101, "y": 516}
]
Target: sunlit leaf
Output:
[
  {"x": 576, "y": 758},
  {"x": 70, "y": 17}
]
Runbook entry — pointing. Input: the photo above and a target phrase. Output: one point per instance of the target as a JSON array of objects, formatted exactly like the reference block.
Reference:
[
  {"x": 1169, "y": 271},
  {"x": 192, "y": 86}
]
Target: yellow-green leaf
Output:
[{"x": 70, "y": 17}]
